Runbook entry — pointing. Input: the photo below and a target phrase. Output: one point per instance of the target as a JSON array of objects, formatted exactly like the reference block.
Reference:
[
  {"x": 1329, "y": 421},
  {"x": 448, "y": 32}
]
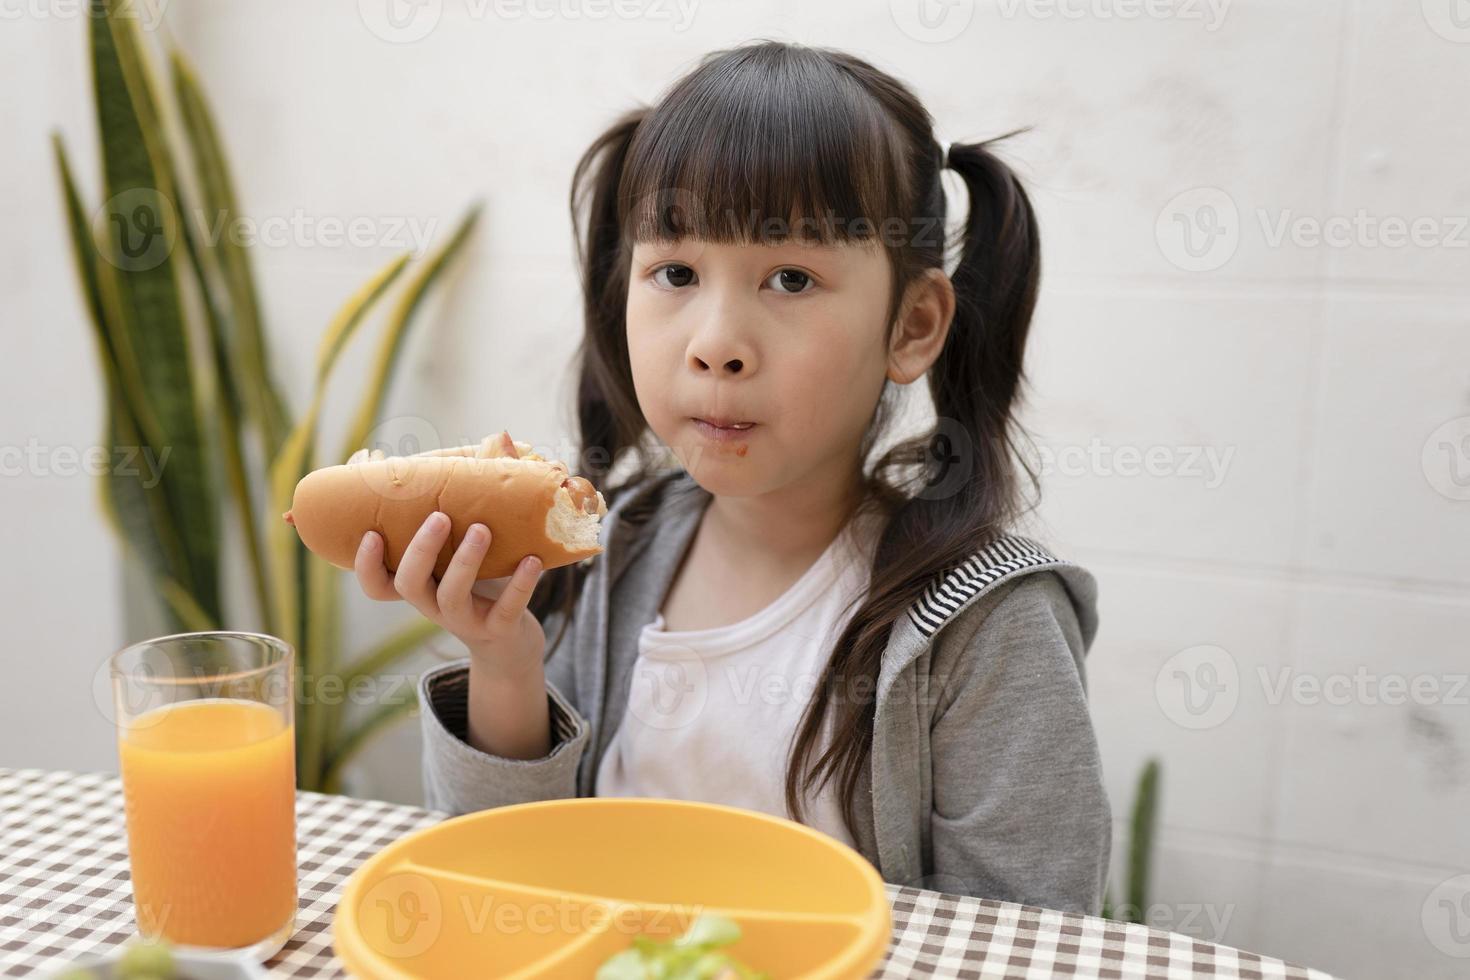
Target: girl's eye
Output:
[
  {"x": 679, "y": 276},
  {"x": 792, "y": 281}
]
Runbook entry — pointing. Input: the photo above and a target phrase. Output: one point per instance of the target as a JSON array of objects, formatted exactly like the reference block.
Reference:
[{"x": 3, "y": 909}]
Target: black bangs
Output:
[{"x": 764, "y": 144}]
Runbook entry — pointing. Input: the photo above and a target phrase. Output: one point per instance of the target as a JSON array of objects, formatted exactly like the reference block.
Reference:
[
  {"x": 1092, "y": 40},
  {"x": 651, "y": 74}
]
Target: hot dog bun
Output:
[{"x": 531, "y": 505}]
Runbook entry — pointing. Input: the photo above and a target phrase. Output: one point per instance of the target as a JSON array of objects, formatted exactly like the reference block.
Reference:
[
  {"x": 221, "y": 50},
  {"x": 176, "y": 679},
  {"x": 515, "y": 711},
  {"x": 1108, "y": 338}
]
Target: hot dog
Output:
[{"x": 532, "y": 505}]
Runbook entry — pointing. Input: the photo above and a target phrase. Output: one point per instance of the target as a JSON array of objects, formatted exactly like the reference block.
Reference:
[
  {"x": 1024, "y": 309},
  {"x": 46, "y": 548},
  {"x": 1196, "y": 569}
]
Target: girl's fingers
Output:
[
  {"x": 414, "y": 578},
  {"x": 454, "y": 596},
  {"x": 372, "y": 575},
  {"x": 517, "y": 595}
]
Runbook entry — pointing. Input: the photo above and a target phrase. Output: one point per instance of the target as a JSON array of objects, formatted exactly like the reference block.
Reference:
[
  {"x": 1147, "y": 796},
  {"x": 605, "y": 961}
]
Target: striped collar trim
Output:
[{"x": 949, "y": 593}]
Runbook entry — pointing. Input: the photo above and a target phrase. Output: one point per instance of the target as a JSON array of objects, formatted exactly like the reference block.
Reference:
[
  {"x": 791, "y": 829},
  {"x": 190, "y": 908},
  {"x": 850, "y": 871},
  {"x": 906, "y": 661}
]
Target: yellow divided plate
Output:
[{"x": 553, "y": 889}]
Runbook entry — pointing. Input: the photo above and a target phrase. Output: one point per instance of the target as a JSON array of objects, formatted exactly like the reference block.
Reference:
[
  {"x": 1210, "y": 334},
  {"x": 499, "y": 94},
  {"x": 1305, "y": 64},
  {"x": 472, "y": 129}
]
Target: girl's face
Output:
[{"x": 789, "y": 337}]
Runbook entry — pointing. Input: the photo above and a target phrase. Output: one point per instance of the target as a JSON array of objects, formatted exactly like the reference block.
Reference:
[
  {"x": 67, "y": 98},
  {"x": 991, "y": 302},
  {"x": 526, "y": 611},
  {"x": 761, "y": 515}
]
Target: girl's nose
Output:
[
  {"x": 732, "y": 366},
  {"x": 719, "y": 348}
]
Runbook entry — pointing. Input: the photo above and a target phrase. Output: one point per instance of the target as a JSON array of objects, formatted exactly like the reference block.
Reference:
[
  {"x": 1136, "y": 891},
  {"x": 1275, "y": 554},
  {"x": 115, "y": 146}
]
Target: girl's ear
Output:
[{"x": 924, "y": 319}]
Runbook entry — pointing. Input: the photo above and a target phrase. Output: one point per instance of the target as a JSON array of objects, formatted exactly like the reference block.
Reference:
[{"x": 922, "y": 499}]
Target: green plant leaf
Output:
[
  {"x": 135, "y": 509},
  {"x": 138, "y": 515},
  {"x": 248, "y": 350},
  {"x": 188, "y": 612},
  {"x": 396, "y": 645},
  {"x": 140, "y": 296},
  {"x": 398, "y": 322},
  {"x": 233, "y": 337},
  {"x": 223, "y": 315},
  {"x": 403, "y": 641},
  {"x": 355, "y": 740},
  {"x": 84, "y": 253},
  {"x": 1140, "y": 847},
  {"x": 292, "y": 574},
  {"x": 227, "y": 416},
  {"x": 323, "y": 647},
  {"x": 295, "y": 459}
]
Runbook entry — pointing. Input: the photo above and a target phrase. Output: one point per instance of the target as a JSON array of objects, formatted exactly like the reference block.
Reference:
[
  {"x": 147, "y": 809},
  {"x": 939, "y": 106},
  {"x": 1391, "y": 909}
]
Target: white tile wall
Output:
[
  {"x": 60, "y": 575},
  {"x": 1211, "y": 387},
  {"x": 1327, "y": 377},
  {"x": 1394, "y": 368}
]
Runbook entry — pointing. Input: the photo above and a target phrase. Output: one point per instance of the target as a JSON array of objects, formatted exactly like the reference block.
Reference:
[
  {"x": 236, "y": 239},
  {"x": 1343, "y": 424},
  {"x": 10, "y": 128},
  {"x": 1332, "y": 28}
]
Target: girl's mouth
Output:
[{"x": 724, "y": 431}]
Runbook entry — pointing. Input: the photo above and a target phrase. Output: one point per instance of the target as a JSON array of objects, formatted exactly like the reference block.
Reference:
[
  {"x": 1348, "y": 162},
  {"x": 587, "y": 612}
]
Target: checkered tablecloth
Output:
[{"x": 65, "y": 893}]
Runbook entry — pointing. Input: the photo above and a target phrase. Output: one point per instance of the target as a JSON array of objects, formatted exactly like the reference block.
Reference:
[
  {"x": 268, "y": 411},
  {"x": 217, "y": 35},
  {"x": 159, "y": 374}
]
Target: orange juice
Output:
[{"x": 210, "y": 793}]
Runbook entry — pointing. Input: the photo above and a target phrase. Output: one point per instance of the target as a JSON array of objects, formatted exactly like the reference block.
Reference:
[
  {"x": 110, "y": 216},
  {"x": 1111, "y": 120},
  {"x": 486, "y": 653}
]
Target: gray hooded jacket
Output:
[{"x": 984, "y": 777}]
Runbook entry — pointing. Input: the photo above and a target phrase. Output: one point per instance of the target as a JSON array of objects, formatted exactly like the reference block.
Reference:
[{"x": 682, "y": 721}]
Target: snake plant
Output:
[
  {"x": 176, "y": 318},
  {"x": 1140, "y": 850}
]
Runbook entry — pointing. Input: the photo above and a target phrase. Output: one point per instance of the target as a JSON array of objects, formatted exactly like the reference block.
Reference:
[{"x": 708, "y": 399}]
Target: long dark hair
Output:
[{"x": 802, "y": 135}]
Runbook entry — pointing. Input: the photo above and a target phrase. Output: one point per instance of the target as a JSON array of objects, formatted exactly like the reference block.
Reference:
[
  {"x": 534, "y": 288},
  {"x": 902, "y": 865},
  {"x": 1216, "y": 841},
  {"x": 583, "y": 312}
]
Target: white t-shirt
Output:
[{"x": 712, "y": 713}]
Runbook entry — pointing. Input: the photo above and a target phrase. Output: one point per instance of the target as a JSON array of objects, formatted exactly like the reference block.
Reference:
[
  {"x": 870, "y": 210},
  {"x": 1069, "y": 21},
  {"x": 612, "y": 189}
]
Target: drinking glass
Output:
[{"x": 206, "y": 747}]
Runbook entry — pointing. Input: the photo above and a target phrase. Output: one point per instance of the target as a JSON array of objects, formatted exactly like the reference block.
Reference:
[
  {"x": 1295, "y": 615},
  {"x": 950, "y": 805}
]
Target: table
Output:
[{"x": 65, "y": 893}]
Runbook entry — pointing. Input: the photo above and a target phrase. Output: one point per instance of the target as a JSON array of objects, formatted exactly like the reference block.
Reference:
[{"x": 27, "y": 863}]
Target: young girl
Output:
[{"x": 774, "y": 623}]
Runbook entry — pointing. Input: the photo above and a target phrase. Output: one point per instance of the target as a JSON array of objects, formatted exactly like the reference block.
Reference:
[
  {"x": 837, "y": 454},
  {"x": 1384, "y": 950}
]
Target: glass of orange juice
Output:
[{"x": 206, "y": 745}]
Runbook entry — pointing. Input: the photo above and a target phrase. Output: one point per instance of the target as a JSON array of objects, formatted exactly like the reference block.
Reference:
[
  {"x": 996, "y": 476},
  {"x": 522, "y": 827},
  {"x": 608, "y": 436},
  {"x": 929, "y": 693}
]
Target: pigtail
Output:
[
  {"x": 609, "y": 422},
  {"x": 608, "y": 416},
  {"x": 976, "y": 382},
  {"x": 963, "y": 491}
]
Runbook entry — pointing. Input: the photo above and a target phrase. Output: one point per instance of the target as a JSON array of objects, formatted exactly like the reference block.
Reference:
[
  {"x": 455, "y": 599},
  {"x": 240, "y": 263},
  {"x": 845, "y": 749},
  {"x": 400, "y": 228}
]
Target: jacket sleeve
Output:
[
  {"x": 1020, "y": 810},
  {"x": 459, "y": 778}
]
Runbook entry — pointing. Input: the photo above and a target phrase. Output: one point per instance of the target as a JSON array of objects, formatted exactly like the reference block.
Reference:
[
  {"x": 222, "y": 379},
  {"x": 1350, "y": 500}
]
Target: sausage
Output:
[{"x": 581, "y": 492}]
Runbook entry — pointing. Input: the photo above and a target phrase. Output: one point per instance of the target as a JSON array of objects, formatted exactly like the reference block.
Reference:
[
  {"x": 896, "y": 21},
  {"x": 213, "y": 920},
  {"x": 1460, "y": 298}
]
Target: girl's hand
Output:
[{"x": 500, "y": 632}]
